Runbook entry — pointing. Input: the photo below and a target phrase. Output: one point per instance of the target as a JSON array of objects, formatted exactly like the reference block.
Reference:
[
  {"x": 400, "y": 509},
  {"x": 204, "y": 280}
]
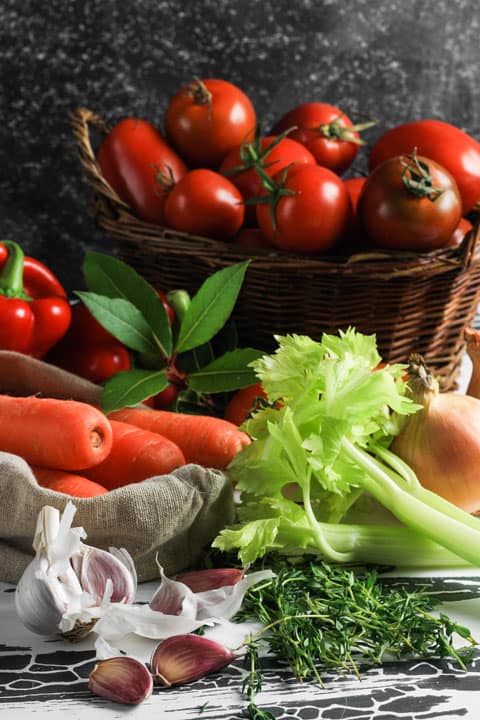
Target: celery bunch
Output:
[{"x": 319, "y": 464}]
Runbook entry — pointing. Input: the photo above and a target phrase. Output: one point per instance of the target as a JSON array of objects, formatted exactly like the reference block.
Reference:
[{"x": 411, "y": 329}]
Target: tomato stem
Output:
[
  {"x": 198, "y": 91},
  {"x": 253, "y": 156},
  {"x": 335, "y": 131},
  {"x": 417, "y": 178}
]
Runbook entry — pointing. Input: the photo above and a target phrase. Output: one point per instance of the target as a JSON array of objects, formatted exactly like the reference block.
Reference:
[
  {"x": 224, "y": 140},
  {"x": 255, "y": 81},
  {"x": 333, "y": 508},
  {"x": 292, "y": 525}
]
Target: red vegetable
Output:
[
  {"x": 96, "y": 363},
  {"x": 34, "y": 310},
  {"x": 205, "y": 203},
  {"x": 135, "y": 455},
  {"x": 453, "y": 149},
  {"x": 207, "y": 118},
  {"x": 67, "y": 483},
  {"x": 140, "y": 166},
  {"x": 243, "y": 402},
  {"x": 410, "y": 203},
  {"x": 60, "y": 434},
  {"x": 309, "y": 210},
  {"x": 463, "y": 227},
  {"x": 271, "y": 154},
  {"x": 205, "y": 440},
  {"x": 326, "y": 131},
  {"x": 88, "y": 350}
]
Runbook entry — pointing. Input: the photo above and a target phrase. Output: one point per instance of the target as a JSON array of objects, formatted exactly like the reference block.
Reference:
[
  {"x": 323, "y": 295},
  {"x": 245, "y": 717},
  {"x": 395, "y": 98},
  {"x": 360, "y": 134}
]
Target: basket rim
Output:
[{"x": 118, "y": 219}]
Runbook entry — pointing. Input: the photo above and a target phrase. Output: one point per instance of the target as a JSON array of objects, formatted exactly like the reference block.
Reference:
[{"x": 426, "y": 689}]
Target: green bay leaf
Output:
[
  {"x": 211, "y": 307},
  {"x": 130, "y": 387},
  {"x": 109, "y": 276},
  {"x": 230, "y": 371},
  {"x": 122, "y": 319}
]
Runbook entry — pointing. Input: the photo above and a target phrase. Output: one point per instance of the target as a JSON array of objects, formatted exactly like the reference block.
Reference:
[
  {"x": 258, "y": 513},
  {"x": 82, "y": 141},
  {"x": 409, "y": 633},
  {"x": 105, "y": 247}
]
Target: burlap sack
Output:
[{"x": 172, "y": 517}]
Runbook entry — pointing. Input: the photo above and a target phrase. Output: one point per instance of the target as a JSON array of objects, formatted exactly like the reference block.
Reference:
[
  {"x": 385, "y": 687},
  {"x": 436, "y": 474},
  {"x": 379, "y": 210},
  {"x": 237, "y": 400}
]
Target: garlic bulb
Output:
[
  {"x": 441, "y": 442},
  {"x": 66, "y": 576}
]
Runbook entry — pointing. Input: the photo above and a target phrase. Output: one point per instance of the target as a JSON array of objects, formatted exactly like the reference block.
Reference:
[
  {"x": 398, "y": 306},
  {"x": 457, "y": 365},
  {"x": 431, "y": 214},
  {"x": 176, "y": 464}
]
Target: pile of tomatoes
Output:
[{"x": 211, "y": 172}]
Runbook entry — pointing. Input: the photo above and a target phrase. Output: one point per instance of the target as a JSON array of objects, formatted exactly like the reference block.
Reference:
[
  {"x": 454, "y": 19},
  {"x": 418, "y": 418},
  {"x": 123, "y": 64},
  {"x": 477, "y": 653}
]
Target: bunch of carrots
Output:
[{"x": 74, "y": 448}]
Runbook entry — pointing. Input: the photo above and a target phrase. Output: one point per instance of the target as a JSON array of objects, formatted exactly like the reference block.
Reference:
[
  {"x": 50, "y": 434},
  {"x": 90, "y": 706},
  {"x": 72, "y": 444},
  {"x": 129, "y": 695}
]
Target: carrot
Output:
[
  {"x": 135, "y": 455},
  {"x": 67, "y": 483},
  {"x": 205, "y": 440},
  {"x": 61, "y": 434}
]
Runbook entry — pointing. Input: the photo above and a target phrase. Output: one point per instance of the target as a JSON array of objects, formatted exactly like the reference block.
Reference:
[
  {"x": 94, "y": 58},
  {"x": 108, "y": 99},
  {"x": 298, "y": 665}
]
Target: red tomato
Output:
[
  {"x": 313, "y": 217},
  {"x": 205, "y": 203},
  {"x": 354, "y": 240},
  {"x": 168, "y": 308},
  {"x": 140, "y": 166},
  {"x": 326, "y": 131},
  {"x": 398, "y": 214},
  {"x": 449, "y": 146},
  {"x": 164, "y": 400},
  {"x": 96, "y": 363},
  {"x": 84, "y": 328},
  {"x": 243, "y": 402},
  {"x": 463, "y": 227},
  {"x": 206, "y": 118},
  {"x": 240, "y": 164},
  {"x": 354, "y": 187}
]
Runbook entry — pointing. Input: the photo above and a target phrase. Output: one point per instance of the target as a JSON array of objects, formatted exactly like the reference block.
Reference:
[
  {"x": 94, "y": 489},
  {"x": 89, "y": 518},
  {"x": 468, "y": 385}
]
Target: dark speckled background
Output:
[{"x": 393, "y": 61}]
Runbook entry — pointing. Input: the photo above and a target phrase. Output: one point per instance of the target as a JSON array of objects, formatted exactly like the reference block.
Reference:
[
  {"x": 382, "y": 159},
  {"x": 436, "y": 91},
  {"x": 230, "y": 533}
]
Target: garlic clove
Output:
[
  {"x": 121, "y": 679},
  {"x": 38, "y": 607},
  {"x": 98, "y": 567},
  {"x": 210, "y": 579},
  {"x": 185, "y": 658},
  {"x": 224, "y": 602},
  {"x": 173, "y": 598}
]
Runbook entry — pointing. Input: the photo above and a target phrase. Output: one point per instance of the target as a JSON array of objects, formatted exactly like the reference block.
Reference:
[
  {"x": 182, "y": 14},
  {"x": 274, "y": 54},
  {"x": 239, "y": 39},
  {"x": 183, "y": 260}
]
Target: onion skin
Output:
[{"x": 441, "y": 442}]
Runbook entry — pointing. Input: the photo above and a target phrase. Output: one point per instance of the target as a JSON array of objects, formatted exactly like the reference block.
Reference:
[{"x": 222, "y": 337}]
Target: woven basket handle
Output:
[{"x": 82, "y": 120}]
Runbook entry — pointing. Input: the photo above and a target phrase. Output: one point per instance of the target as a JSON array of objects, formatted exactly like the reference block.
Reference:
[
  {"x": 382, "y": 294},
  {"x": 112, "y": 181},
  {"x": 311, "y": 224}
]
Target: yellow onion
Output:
[{"x": 441, "y": 442}]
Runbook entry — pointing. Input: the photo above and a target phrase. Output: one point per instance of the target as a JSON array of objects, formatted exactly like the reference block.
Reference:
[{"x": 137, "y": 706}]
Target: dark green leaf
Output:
[
  {"x": 211, "y": 307},
  {"x": 192, "y": 360},
  {"x": 121, "y": 318},
  {"x": 106, "y": 275},
  {"x": 228, "y": 372},
  {"x": 125, "y": 389}
]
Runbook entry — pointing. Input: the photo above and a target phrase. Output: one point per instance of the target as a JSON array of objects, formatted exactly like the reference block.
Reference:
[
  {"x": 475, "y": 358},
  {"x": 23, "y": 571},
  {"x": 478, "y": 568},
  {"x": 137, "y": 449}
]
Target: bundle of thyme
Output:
[{"x": 319, "y": 617}]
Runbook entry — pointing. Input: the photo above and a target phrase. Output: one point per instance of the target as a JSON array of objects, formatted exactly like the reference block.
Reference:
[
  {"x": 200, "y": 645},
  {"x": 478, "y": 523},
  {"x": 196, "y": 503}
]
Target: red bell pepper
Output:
[{"x": 34, "y": 310}]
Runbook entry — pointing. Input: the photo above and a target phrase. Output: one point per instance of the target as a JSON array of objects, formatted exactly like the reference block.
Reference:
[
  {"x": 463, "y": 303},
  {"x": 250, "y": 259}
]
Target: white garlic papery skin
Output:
[
  {"x": 49, "y": 584},
  {"x": 67, "y": 576}
]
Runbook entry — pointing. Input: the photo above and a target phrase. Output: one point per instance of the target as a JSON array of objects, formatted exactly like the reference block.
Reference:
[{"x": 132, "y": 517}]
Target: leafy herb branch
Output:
[{"x": 198, "y": 353}]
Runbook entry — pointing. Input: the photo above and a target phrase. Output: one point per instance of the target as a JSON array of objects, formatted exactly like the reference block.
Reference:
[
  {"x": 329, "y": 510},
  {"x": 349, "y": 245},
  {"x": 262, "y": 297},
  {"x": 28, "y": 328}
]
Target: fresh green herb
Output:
[
  {"x": 319, "y": 617},
  {"x": 253, "y": 684},
  {"x": 196, "y": 354},
  {"x": 321, "y": 458}
]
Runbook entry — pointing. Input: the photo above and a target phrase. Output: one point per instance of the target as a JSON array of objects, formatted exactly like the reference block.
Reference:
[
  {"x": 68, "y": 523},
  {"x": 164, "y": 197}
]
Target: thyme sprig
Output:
[{"x": 319, "y": 617}]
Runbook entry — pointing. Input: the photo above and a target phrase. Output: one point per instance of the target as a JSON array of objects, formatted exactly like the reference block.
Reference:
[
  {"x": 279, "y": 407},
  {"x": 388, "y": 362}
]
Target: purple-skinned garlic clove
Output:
[
  {"x": 210, "y": 579},
  {"x": 184, "y": 658},
  {"x": 97, "y": 567},
  {"x": 121, "y": 679}
]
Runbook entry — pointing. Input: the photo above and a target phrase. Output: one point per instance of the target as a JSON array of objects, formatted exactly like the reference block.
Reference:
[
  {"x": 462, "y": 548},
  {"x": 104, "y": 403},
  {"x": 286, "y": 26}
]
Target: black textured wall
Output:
[{"x": 392, "y": 61}]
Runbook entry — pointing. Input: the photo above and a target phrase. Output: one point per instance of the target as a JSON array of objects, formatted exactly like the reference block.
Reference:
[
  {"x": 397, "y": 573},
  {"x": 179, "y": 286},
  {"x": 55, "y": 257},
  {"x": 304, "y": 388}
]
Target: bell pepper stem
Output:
[{"x": 11, "y": 277}]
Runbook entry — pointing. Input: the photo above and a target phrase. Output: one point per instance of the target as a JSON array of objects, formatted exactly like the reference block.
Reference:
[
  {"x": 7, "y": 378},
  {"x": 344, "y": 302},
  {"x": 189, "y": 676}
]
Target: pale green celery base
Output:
[{"x": 377, "y": 545}]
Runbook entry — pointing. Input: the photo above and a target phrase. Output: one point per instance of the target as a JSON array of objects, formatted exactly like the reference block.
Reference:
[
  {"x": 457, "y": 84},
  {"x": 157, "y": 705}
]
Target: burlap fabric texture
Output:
[{"x": 171, "y": 517}]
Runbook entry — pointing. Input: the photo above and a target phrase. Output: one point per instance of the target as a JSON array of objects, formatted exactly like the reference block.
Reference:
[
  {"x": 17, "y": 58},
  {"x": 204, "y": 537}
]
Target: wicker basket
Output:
[{"x": 412, "y": 302}]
